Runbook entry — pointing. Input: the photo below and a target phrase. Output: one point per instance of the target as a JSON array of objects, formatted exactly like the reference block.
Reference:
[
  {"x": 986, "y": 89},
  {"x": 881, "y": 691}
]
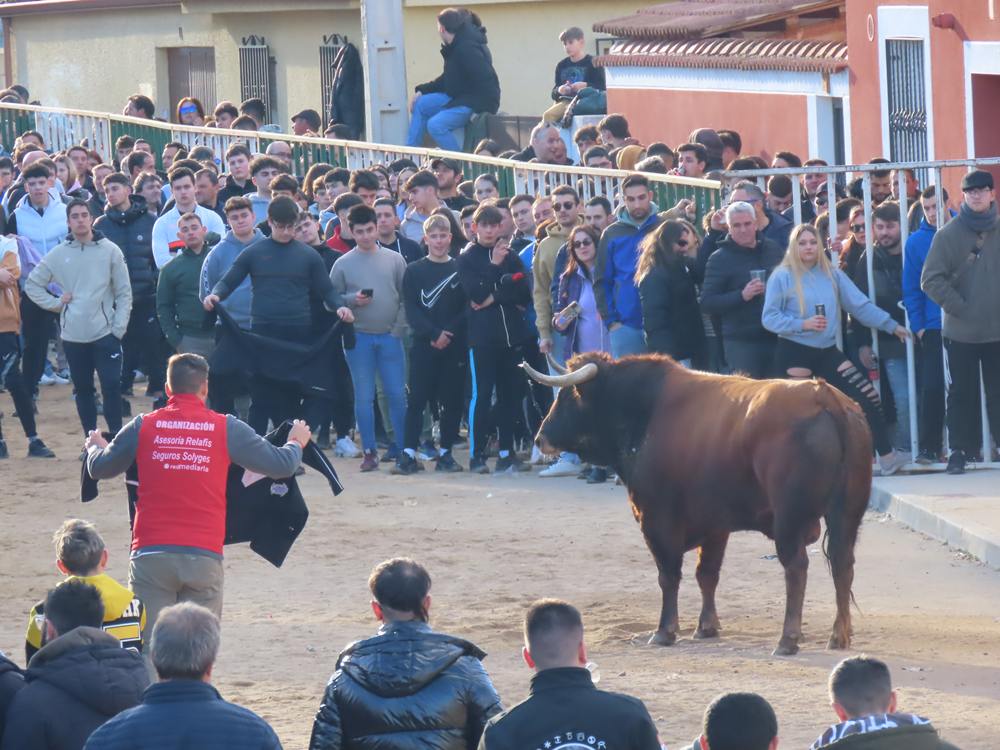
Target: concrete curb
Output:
[{"x": 968, "y": 521}]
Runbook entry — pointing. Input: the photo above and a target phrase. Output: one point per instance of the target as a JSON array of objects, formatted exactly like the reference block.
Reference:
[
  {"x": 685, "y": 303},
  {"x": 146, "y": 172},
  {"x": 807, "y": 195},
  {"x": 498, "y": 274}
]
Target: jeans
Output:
[
  {"x": 381, "y": 353},
  {"x": 432, "y": 114},
  {"x": 104, "y": 356},
  {"x": 627, "y": 340},
  {"x": 751, "y": 357},
  {"x": 558, "y": 344},
  {"x": 895, "y": 370}
]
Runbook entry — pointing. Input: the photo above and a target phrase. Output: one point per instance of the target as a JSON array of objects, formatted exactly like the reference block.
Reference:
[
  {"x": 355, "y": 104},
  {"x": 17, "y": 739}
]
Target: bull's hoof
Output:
[
  {"x": 706, "y": 632},
  {"x": 786, "y": 647},
  {"x": 839, "y": 642},
  {"x": 663, "y": 638}
]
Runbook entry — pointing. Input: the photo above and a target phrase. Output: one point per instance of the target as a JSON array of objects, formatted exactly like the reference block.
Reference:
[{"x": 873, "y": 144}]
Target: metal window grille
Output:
[
  {"x": 256, "y": 72},
  {"x": 328, "y": 52},
  {"x": 907, "y": 101}
]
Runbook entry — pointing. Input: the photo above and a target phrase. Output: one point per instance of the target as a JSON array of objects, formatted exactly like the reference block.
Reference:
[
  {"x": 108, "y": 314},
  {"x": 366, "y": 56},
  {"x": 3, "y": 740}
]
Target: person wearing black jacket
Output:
[
  {"x": 734, "y": 287},
  {"x": 565, "y": 709},
  {"x": 496, "y": 283},
  {"x": 468, "y": 85},
  {"x": 407, "y": 687},
  {"x": 388, "y": 234},
  {"x": 128, "y": 223},
  {"x": 11, "y": 680},
  {"x": 436, "y": 309}
]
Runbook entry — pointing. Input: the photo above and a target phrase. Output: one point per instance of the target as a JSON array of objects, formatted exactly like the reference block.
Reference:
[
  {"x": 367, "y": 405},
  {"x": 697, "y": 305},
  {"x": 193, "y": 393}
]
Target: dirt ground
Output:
[{"x": 493, "y": 544}]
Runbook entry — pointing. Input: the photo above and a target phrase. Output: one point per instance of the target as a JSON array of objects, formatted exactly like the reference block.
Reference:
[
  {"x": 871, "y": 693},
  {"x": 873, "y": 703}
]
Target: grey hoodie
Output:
[{"x": 218, "y": 261}]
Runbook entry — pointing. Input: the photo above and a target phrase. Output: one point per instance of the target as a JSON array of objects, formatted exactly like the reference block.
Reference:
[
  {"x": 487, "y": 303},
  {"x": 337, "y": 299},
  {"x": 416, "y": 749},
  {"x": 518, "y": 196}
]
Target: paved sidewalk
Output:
[{"x": 963, "y": 511}]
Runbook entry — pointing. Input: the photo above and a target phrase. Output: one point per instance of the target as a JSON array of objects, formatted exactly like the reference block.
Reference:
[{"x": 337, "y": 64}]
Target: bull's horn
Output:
[
  {"x": 576, "y": 377},
  {"x": 555, "y": 366}
]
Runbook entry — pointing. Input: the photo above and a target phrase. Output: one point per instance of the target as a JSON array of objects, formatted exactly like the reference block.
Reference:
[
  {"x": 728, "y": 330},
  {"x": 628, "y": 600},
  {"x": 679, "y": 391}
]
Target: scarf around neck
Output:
[{"x": 979, "y": 221}]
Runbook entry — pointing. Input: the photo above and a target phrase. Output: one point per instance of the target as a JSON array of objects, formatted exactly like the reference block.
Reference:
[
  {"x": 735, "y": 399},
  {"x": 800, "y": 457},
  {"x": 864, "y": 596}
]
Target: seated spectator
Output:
[
  {"x": 11, "y": 680},
  {"x": 564, "y": 702},
  {"x": 546, "y": 147},
  {"x": 577, "y": 79},
  {"x": 738, "y": 721},
  {"x": 862, "y": 697},
  {"x": 406, "y": 681},
  {"x": 79, "y": 679},
  {"x": 182, "y": 709},
  {"x": 82, "y": 556},
  {"x": 586, "y": 137}
]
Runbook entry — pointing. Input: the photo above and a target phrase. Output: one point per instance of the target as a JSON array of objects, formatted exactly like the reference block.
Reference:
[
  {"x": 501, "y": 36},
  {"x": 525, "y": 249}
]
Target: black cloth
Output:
[
  {"x": 726, "y": 274},
  {"x": 75, "y": 683},
  {"x": 581, "y": 71},
  {"x": 231, "y": 190},
  {"x": 930, "y": 382},
  {"x": 671, "y": 317},
  {"x": 38, "y": 326},
  {"x": 458, "y": 202},
  {"x": 501, "y": 323},
  {"x": 13, "y": 381},
  {"x": 495, "y": 367},
  {"x": 348, "y": 95},
  {"x": 526, "y": 154},
  {"x": 888, "y": 273},
  {"x": 11, "y": 680},
  {"x": 132, "y": 231},
  {"x": 410, "y": 250},
  {"x": 104, "y": 357},
  {"x": 468, "y": 77},
  {"x": 407, "y": 688},
  {"x": 144, "y": 346},
  {"x": 964, "y": 361},
  {"x": 435, "y": 301},
  {"x": 436, "y": 376},
  {"x": 268, "y": 513},
  {"x": 564, "y": 709}
]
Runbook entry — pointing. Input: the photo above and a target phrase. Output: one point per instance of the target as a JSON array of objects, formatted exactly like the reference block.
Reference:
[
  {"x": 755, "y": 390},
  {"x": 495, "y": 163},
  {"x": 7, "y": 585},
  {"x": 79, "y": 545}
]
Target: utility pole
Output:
[{"x": 386, "y": 101}]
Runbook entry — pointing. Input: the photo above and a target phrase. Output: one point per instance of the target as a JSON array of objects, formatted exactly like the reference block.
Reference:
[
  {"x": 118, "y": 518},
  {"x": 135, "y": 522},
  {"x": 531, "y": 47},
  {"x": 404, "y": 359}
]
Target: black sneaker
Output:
[
  {"x": 427, "y": 451},
  {"x": 3, "y": 450},
  {"x": 126, "y": 408},
  {"x": 584, "y": 473},
  {"x": 477, "y": 465},
  {"x": 406, "y": 464},
  {"x": 956, "y": 463},
  {"x": 510, "y": 462},
  {"x": 447, "y": 462},
  {"x": 38, "y": 449},
  {"x": 597, "y": 476},
  {"x": 927, "y": 457},
  {"x": 391, "y": 454}
]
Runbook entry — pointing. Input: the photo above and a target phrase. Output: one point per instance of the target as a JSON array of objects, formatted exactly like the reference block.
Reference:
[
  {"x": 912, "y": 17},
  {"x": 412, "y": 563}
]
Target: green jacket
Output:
[{"x": 178, "y": 303}]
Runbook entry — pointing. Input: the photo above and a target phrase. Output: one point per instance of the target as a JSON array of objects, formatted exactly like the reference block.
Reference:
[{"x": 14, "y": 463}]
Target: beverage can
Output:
[{"x": 821, "y": 310}]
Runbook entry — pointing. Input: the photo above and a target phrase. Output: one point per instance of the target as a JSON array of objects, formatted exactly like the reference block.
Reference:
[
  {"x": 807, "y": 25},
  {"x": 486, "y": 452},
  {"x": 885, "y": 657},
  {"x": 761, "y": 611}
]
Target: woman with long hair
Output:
[
  {"x": 190, "y": 111},
  {"x": 803, "y": 303},
  {"x": 66, "y": 173},
  {"x": 671, "y": 317}
]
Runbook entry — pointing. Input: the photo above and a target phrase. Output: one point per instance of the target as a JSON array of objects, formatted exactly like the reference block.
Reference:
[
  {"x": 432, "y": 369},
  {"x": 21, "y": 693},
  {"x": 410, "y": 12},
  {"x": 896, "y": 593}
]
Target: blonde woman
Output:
[{"x": 802, "y": 304}]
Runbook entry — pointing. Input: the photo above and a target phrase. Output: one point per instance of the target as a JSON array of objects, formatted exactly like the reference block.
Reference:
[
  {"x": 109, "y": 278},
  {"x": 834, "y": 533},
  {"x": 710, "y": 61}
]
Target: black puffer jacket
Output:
[
  {"x": 726, "y": 274},
  {"x": 408, "y": 688},
  {"x": 468, "y": 77},
  {"x": 11, "y": 680},
  {"x": 75, "y": 683},
  {"x": 132, "y": 231},
  {"x": 670, "y": 313}
]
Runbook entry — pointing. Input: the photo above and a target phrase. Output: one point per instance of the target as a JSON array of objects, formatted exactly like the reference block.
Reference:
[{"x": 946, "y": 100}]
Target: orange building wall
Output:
[{"x": 766, "y": 122}]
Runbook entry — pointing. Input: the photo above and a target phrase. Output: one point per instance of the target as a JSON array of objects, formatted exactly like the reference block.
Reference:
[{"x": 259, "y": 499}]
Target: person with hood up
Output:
[
  {"x": 408, "y": 687},
  {"x": 468, "y": 85},
  {"x": 11, "y": 681},
  {"x": 79, "y": 679}
]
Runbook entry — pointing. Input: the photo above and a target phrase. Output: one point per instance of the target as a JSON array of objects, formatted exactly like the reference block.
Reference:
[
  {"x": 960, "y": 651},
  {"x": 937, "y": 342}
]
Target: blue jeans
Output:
[
  {"x": 895, "y": 370},
  {"x": 432, "y": 114},
  {"x": 382, "y": 353},
  {"x": 627, "y": 340},
  {"x": 558, "y": 344}
]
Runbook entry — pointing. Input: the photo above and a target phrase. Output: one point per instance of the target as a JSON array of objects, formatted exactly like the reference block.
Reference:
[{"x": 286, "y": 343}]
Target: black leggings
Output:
[
  {"x": 436, "y": 375},
  {"x": 10, "y": 378},
  {"x": 840, "y": 372}
]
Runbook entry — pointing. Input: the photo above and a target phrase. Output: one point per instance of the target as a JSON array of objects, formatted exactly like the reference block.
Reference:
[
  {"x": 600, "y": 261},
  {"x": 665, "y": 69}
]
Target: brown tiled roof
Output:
[
  {"x": 40, "y": 7},
  {"x": 690, "y": 19},
  {"x": 742, "y": 54}
]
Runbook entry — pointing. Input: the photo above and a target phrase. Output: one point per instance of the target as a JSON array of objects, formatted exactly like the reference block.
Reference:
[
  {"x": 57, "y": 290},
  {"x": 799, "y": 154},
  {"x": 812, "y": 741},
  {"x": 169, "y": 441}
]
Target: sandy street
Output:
[{"x": 492, "y": 545}]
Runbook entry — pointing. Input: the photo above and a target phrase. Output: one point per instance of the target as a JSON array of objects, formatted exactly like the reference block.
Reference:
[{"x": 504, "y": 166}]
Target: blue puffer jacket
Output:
[
  {"x": 923, "y": 311},
  {"x": 614, "y": 275},
  {"x": 408, "y": 688}
]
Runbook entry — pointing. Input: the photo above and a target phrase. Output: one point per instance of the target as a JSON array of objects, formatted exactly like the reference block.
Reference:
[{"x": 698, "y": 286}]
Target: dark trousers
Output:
[
  {"x": 225, "y": 386},
  {"x": 964, "y": 361},
  {"x": 751, "y": 357},
  {"x": 10, "y": 378},
  {"x": 319, "y": 411},
  {"x": 436, "y": 375},
  {"x": 931, "y": 376},
  {"x": 537, "y": 398},
  {"x": 275, "y": 400},
  {"x": 105, "y": 357},
  {"x": 142, "y": 346},
  {"x": 37, "y": 329},
  {"x": 494, "y": 367}
]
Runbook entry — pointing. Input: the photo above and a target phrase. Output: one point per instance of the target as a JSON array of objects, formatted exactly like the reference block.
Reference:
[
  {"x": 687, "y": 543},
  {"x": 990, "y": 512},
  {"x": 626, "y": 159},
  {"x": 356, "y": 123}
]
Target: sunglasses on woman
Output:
[
  {"x": 857, "y": 228},
  {"x": 583, "y": 243}
]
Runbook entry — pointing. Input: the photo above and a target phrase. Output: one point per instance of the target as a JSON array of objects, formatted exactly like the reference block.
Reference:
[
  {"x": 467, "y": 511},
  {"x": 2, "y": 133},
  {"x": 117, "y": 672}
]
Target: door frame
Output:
[
  {"x": 981, "y": 58},
  {"x": 905, "y": 22}
]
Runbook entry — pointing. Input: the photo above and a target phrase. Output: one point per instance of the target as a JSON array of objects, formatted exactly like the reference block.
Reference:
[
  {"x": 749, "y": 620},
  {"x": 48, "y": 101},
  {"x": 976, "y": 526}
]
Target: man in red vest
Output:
[{"x": 183, "y": 453}]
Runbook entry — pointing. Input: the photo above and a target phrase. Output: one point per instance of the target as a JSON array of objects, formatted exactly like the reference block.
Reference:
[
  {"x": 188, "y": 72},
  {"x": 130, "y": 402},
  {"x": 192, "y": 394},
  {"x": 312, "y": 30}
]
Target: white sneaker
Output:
[
  {"x": 345, "y": 448},
  {"x": 892, "y": 463},
  {"x": 537, "y": 457},
  {"x": 561, "y": 468},
  {"x": 48, "y": 380},
  {"x": 60, "y": 380}
]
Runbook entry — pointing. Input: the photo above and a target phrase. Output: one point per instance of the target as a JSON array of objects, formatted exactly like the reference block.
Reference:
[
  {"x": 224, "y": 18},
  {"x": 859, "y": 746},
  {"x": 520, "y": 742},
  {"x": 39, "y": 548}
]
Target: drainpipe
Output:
[{"x": 8, "y": 53}]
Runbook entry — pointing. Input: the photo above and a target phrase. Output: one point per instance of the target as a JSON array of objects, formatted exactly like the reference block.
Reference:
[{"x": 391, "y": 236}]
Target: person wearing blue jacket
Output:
[
  {"x": 925, "y": 322},
  {"x": 802, "y": 305}
]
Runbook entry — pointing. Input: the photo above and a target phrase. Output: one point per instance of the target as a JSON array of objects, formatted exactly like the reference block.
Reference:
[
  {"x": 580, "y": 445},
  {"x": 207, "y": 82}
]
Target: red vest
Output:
[{"x": 183, "y": 461}]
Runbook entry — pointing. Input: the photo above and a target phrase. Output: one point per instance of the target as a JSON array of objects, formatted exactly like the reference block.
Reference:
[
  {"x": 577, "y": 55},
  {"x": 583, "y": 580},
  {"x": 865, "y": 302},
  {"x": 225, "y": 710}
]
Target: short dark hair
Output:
[
  {"x": 490, "y": 178},
  {"x": 566, "y": 190},
  {"x": 600, "y": 200},
  {"x": 659, "y": 148},
  {"x": 586, "y": 133},
  {"x": 699, "y": 151},
  {"x": 652, "y": 165},
  {"x": 284, "y": 182},
  {"x": 74, "y": 604},
  {"x": 201, "y": 153},
  {"x": 490, "y": 216},
  {"x": 225, "y": 108},
  {"x": 880, "y": 173},
  {"x": 862, "y": 685},
  {"x": 551, "y": 628},
  {"x": 360, "y": 214},
  {"x": 135, "y": 160},
  {"x": 740, "y": 721},
  {"x": 815, "y": 163},
  {"x": 179, "y": 173},
  {"x": 79, "y": 546},
  {"x": 116, "y": 178},
  {"x": 36, "y": 170},
  {"x": 7, "y": 163},
  {"x": 398, "y": 165},
  {"x": 886, "y": 211},
  {"x": 244, "y": 122},
  {"x": 571, "y": 34},
  {"x": 731, "y": 139},
  {"x": 615, "y": 124},
  {"x": 363, "y": 178},
  {"x": 190, "y": 216},
  {"x": 238, "y": 149},
  {"x": 174, "y": 144},
  {"x": 635, "y": 180},
  {"x": 520, "y": 198},
  {"x": 842, "y": 210},
  {"x": 282, "y": 210},
  {"x": 254, "y": 107},
  {"x": 780, "y": 185},
  {"x": 77, "y": 202},
  {"x": 140, "y": 101},
  {"x": 385, "y": 203},
  {"x": 421, "y": 178},
  {"x": 237, "y": 203},
  {"x": 470, "y": 210},
  {"x": 338, "y": 174},
  {"x": 741, "y": 164},
  {"x": 792, "y": 160},
  {"x": 345, "y": 202},
  {"x": 927, "y": 192},
  {"x": 266, "y": 162},
  {"x": 211, "y": 174},
  {"x": 595, "y": 152},
  {"x": 186, "y": 373},
  {"x": 401, "y": 584}
]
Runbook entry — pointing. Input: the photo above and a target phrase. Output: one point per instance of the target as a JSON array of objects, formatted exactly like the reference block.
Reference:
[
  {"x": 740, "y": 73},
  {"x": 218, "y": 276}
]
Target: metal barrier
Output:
[
  {"x": 864, "y": 171},
  {"x": 62, "y": 128}
]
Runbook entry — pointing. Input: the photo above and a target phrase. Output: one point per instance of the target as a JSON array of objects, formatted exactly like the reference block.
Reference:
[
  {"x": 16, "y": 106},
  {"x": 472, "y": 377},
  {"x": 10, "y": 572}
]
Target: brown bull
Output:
[{"x": 705, "y": 455}]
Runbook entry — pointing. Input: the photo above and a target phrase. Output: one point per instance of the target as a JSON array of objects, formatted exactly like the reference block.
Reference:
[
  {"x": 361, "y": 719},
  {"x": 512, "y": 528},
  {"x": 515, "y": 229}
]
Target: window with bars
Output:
[
  {"x": 257, "y": 73},
  {"x": 328, "y": 51}
]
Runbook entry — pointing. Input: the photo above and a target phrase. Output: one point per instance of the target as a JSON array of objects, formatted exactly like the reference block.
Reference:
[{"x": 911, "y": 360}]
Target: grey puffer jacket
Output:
[{"x": 408, "y": 688}]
